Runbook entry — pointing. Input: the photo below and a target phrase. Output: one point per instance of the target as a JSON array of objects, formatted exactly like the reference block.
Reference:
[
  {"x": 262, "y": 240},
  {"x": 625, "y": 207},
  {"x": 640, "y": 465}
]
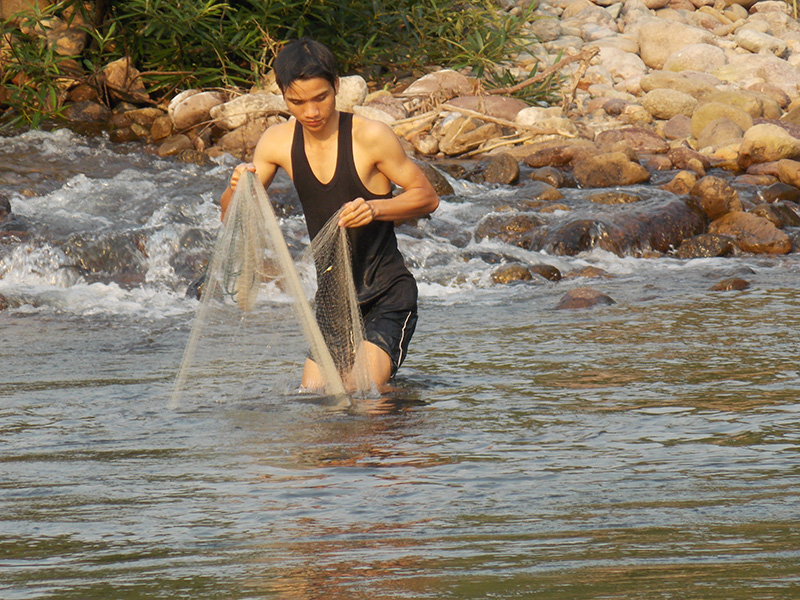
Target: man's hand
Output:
[
  {"x": 237, "y": 173},
  {"x": 357, "y": 213}
]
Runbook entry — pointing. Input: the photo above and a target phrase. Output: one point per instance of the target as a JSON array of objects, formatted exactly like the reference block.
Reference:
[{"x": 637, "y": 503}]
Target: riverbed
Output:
[{"x": 643, "y": 449}]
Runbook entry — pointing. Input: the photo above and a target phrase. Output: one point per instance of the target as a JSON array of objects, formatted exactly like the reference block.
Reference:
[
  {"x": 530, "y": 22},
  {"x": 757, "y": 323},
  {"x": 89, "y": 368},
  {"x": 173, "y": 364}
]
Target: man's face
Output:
[{"x": 311, "y": 102}]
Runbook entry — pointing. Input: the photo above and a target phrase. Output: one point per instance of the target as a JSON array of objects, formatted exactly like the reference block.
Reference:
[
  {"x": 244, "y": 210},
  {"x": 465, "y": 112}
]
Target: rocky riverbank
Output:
[{"x": 697, "y": 98}]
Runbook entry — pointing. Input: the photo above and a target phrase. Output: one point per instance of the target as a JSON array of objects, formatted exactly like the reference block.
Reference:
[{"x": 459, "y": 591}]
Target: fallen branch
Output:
[
  {"x": 506, "y": 123},
  {"x": 586, "y": 55}
]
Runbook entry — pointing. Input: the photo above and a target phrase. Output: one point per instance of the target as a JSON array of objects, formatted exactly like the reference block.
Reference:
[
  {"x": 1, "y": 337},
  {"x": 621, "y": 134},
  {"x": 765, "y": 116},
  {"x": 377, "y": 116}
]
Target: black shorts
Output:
[{"x": 390, "y": 331}]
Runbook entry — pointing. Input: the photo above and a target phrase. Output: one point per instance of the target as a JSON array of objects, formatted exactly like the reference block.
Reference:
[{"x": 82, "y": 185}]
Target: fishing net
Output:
[{"x": 255, "y": 298}]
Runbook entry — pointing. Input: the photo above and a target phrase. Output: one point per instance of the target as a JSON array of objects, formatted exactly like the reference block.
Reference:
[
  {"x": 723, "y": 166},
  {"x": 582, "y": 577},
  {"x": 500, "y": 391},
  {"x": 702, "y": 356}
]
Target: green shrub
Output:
[{"x": 178, "y": 44}]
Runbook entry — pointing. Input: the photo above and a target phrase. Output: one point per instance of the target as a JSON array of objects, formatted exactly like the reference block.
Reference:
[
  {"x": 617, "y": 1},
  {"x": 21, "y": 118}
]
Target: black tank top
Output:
[{"x": 378, "y": 267}]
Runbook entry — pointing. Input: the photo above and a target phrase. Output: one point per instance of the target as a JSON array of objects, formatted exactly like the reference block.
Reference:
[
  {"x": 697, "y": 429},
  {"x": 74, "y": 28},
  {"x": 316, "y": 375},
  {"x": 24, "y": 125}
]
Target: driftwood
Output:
[{"x": 584, "y": 56}]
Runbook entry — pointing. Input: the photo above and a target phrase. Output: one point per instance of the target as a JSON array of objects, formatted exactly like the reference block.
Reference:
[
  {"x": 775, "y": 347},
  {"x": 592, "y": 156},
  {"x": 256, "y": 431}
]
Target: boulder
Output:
[
  {"x": 757, "y": 42},
  {"x": 715, "y": 197},
  {"x": 442, "y": 85},
  {"x": 719, "y": 133},
  {"x": 607, "y": 170},
  {"x": 752, "y": 233},
  {"x": 639, "y": 139},
  {"x": 659, "y": 39},
  {"x": 513, "y": 273},
  {"x": 584, "y": 297},
  {"x": 248, "y": 107},
  {"x": 502, "y": 169},
  {"x": 788, "y": 171},
  {"x": 767, "y": 143},
  {"x": 706, "y": 245},
  {"x": 352, "y": 92},
  {"x": 731, "y": 284},
  {"x": 558, "y": 153},
  {"x": 193, "y": 107},
  {"x": 500, "y": 107},
  {"x": 677, "y": 81},
  {"x": 124, "y": 81},
  {"x": 711, "y": 111},
  {"x": 696, "y": 57},
  {"x": 664, "y": 103}
]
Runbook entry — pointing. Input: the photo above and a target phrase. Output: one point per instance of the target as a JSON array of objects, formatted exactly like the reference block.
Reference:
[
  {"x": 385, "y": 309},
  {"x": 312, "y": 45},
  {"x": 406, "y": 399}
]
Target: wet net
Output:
[{"x": 255, "y": 298}]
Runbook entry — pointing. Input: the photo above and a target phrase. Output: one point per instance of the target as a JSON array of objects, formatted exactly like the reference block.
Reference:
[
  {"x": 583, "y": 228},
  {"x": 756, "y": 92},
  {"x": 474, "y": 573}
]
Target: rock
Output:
[
  {"x": 639, "y": 139},
  {"x": 622, "y": 66},
  {"x": 779, "y": 192},
  {"x": 424, "y": 143},
  {"x": 509, "y": 228},
  {"x": 607, "y": 170},
  {"x": 711, "y": 111},
  {"x": 193, "y": 107},
  {"x": 779, "y": 214},
  {"x": 512, "y": 274},
  {"x": 442, "y": 85},
  {"x": 677, "y": 81},
  {"x": 678, "y": 127},
  {"x": 500, "y": 107},
  {"x": 387, "y": 103},
  {"x": 439, "y": 182},
  {"x": 174, "y": 145},
  {"x": 720, "y": 133},
  {"x": 502, "y": 169},
  {"x": 124, "y": 81},
  {"x": 549, "y": 272},
  {"x": 681, "y": 184},
  {"x": 757, "y": 42},
  {"x": 540, "y": 190},
  {"x": 767, "y": 143},
  {"x": 687, "y": 159},
  {"x": 752, "y": 233},
  {"x": 584, "y": 297},
  {"x": 730, "y": 285},
  {"x": 559, "y": 153},
  {"x": 241, "y": 141},
  {"x": 752, "y": 103},
  {"x": 550, "y": 176},
  {"x": 375, "y": 114},
  {"x": 247, "y": 107},
  {"x": 715, "y": 197},
  {"x": 696, "y": 57},
  {"x": 706, "y": 245},
  {"x": 463, "y": 134},
  {"x": 352, "y": 92},
  {"x": 657, "y": 40},
  {"x": 664, "y": 103},
  {"x": 87, "y": 112},
  {"x": 161, "y": 128},
  {"x": 788, "y": 171},
  {"x": 613, "y": 198}
]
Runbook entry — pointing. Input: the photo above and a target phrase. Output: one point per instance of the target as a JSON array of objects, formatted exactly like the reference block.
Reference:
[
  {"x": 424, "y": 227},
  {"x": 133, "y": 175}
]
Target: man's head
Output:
[{"x": 304, "y": 59}]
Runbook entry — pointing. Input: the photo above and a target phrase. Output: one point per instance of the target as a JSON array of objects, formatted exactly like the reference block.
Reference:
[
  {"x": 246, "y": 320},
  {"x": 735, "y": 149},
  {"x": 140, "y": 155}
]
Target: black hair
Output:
[{"x": 304, "y": 59}]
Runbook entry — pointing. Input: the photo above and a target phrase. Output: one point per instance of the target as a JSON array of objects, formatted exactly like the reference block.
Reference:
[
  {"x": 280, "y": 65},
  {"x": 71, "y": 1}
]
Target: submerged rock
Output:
[{"x": 584, "y": 297}]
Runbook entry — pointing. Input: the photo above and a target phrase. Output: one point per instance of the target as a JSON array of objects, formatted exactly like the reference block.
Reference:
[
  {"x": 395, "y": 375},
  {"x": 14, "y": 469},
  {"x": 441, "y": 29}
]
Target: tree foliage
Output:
[{"x": 228, "y": 43}]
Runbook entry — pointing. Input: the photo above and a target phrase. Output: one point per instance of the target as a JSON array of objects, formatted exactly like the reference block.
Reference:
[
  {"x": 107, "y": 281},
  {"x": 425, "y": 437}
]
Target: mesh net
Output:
[{"x": 254, "y": 301}]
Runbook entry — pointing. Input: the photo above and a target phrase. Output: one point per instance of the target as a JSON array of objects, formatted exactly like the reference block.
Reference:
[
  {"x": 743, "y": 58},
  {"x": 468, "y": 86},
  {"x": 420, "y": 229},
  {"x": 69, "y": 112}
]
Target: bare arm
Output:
[
  {"x": 265, "y": 164},
  {"x": 385, "y": 152}
]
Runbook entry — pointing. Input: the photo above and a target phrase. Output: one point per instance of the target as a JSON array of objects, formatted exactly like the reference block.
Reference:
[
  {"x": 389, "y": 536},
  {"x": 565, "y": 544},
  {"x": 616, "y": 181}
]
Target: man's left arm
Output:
[{"x": 418, "y": 198}]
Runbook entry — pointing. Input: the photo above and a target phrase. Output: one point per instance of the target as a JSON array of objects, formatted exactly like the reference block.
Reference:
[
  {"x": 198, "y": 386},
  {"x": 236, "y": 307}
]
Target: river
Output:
[{"x": 645, "y": 449}]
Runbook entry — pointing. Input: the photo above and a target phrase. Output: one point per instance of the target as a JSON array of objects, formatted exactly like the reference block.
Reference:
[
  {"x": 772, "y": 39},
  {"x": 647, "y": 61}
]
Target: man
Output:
[{"x": 338, "y": 159}]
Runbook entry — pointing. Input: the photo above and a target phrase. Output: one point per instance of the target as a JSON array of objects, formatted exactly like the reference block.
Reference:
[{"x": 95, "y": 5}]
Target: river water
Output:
[{"x": 645, "y": 449}]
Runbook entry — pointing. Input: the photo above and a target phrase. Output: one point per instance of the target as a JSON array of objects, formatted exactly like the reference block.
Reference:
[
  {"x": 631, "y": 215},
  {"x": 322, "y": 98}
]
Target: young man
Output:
[{"x": 338, "y": 159}]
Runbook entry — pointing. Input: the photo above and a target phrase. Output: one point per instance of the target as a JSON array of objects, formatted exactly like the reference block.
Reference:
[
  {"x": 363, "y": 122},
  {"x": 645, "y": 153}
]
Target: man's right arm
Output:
[{"x": 265, "y": 164}]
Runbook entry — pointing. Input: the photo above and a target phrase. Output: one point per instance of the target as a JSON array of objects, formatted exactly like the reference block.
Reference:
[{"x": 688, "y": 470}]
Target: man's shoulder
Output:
[
  {"x": 275, "y": 143},
  {"x": 372, "y": 135}
]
